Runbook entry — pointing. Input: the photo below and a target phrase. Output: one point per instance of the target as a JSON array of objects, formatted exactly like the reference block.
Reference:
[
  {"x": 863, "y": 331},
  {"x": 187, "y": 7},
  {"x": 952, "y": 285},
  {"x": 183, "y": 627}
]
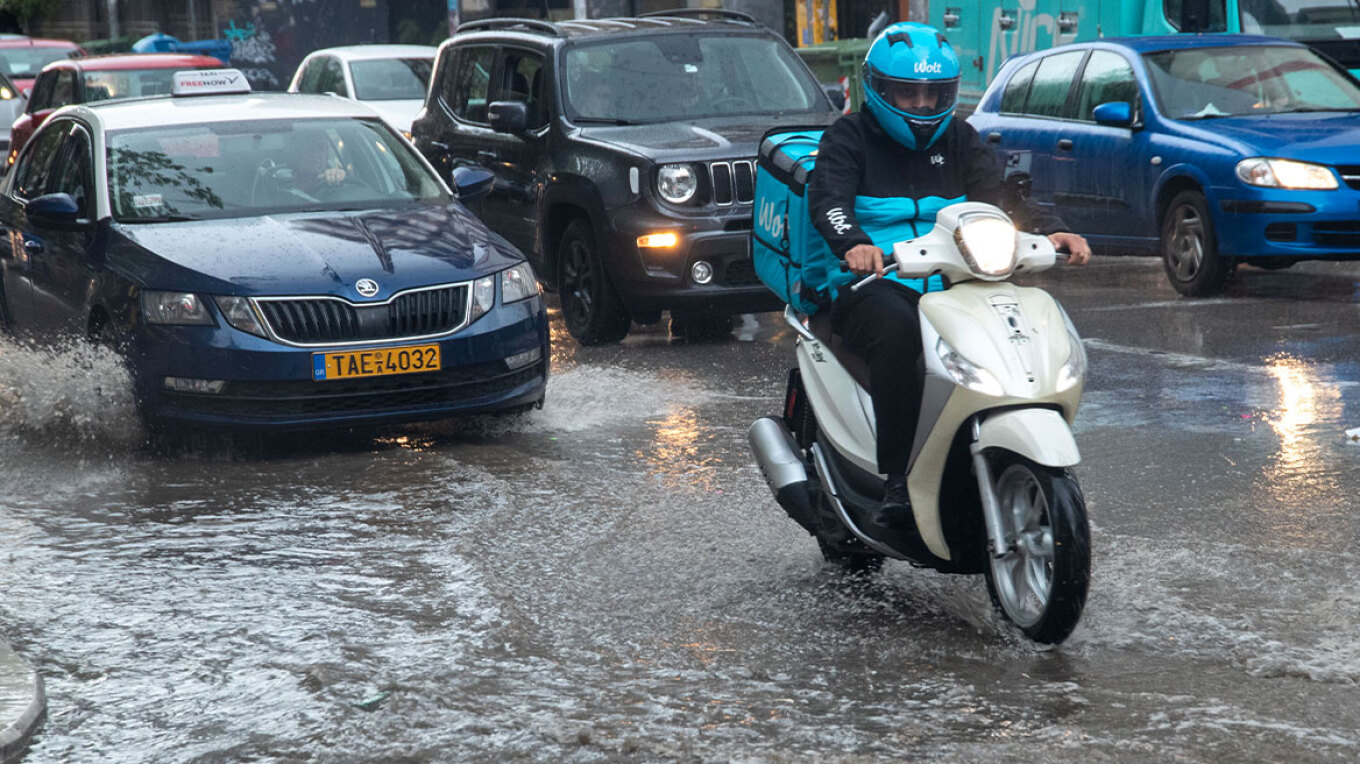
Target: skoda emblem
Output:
[{"x": 366, "y": 287}]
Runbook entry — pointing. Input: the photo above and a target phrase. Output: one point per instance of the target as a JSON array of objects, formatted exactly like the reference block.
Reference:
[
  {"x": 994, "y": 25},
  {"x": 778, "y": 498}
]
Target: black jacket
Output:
[{"x": 857, "y": 158}]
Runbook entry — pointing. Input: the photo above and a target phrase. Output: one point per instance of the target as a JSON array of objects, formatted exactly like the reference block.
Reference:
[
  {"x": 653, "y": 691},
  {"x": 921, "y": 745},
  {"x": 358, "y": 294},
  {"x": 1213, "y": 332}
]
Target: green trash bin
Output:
[{"x": 830, "y": 61}]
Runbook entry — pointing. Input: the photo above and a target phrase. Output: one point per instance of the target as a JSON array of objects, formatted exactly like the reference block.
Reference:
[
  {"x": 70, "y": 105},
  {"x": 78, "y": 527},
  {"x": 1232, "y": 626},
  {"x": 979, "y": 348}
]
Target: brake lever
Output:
[{"x": 872, "y": 277}]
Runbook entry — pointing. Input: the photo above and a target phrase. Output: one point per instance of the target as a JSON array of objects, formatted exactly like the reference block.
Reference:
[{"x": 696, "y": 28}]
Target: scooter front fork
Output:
[{"x": 991, "y": 506}]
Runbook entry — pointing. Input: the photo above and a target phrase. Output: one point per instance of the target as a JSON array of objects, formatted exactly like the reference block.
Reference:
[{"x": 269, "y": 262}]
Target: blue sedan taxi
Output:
[
  {"x": 267, "y": 260},
  {"x": 1208, "y": 150}
]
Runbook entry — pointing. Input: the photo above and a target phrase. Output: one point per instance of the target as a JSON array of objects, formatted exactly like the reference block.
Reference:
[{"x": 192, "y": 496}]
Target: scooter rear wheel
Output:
[{"x": 1040, "y": 584}]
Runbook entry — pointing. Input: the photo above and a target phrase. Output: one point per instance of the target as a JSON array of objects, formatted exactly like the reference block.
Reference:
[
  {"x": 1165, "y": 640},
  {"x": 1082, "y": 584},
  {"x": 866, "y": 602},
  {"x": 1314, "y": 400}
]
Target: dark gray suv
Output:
[{"x": 624, "y": 153}]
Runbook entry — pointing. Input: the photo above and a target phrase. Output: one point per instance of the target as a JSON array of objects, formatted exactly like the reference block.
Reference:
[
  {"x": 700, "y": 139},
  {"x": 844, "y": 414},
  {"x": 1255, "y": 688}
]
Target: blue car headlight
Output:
[
  {"x": 240, "y": 314},
  {"x": 1286, "y": 173},
  {"x": 518, "y": 283},
  {"x": 175, "y": 309}
]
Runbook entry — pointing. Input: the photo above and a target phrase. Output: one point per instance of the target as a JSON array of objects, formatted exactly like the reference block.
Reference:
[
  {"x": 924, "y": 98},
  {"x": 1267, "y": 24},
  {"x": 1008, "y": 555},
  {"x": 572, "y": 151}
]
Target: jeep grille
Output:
[{"x": 733, "y": 182}]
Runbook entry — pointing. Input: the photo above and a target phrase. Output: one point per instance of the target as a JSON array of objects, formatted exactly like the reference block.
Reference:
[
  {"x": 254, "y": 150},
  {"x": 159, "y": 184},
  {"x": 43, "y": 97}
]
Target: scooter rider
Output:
[{"x": 881, "y": 175}]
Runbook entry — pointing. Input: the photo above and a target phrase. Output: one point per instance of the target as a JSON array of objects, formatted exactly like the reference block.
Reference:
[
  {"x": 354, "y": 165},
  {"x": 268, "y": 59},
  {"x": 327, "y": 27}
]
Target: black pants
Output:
[{"x": 880, "y": 323}]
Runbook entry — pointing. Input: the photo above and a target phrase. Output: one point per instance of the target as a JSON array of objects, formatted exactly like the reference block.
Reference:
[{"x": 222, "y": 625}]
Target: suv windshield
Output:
[
  {"x": 391, "y": 79},
  {"x": 243, "y": 169},
  {"x": 1198, "y": 83},
  {"x": 671, "y": 77}
]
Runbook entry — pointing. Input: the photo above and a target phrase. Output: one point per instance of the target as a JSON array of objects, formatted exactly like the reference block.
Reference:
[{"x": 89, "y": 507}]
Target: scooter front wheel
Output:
[{"x": 1040, "y": 583}]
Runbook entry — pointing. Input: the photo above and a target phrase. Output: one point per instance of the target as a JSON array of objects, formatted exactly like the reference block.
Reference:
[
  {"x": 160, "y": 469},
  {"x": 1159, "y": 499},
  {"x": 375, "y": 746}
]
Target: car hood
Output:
[
  {"x": 1323, "y": 137},
  {"x": 713, "y": 138},
  {"x": 312, "y": 253},
  {"x": 398, "y": 114}
]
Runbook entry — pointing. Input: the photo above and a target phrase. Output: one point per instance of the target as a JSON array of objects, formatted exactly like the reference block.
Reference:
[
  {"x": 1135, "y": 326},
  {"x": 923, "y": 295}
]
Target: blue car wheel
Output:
[{"x": 1190, "y": 248}]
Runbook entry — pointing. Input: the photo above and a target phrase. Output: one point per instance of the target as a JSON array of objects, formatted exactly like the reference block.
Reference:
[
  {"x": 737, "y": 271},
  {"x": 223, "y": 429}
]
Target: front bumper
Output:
[
  {"x": 269, "y": 385},
  {"x": 651, "y": 280},
  {"x": 1299, "y": 225}
]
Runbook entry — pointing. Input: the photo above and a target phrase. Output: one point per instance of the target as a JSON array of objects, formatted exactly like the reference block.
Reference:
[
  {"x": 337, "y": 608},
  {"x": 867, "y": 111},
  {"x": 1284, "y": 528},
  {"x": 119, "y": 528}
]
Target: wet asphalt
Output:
[{"x": 609, "y": 579}]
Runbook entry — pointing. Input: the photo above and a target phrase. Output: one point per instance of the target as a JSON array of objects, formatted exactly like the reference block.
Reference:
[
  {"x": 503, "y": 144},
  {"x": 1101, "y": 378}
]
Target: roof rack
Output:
[
  {"x": 718, "y": 12},
  {"x": 510, "y": 22}
]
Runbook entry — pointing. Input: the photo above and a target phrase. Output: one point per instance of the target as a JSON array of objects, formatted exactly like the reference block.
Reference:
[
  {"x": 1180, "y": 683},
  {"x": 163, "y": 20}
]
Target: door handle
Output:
[
  {"x": 993, "y": 137},
  {"x": 488, "y": 154},
  {"x": 440, "y": 146},
  {"x": 34, "y": 246},
  {"x": 1065, "y": 144}
]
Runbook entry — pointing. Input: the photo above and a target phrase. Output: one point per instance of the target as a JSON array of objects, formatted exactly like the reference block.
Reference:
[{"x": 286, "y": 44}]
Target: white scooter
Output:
[{"x": 989, "y": 480}]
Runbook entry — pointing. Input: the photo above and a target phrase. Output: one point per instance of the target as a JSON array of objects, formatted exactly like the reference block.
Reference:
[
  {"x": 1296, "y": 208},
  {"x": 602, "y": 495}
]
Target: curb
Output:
[{"x": 22, "y": 704}]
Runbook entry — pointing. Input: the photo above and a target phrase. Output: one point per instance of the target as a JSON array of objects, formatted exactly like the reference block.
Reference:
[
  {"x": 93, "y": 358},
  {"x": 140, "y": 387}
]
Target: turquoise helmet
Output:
[{"x": 911, "y": 83}]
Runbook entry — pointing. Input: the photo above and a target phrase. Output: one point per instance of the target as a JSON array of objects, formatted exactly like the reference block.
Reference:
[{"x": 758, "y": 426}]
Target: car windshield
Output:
[
  {"x": 27, "y": 62},
  {"x": 391, "y": 79},
  {"x": 129, "y": 83},
  {"x": 244, "y": 169},
  {"x": 685, "y": 76},
  {"x": 1202, "y": 83}
]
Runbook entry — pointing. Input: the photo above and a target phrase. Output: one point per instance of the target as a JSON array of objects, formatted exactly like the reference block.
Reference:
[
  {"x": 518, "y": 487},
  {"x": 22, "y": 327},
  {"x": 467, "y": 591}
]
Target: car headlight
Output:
[
  {"x": 1286, "y": 173},
  {"x": 483, "y": 296},
  {"x": 175, "y": 308},
  {"x": 988, "y": 244},
  {"x": 967, "y": 373},
  {"x": 518, "y": 283},
  {"x": 677, "y": 183},
  {"x": 239, "y": 314}
]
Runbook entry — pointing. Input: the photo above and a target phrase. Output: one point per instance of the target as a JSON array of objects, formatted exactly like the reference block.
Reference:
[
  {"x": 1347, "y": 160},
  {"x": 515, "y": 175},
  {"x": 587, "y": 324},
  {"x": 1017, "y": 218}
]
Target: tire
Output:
[
  {"x": 591, "y": 308},
  {"x": 1189, "y": 248},
  {"x": 1041, "y": 583}
]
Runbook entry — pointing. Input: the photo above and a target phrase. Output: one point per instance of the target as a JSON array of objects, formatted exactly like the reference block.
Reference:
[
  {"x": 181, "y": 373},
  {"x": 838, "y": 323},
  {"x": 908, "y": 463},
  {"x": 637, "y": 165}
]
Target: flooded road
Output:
[{"x": 609, "y": 579}]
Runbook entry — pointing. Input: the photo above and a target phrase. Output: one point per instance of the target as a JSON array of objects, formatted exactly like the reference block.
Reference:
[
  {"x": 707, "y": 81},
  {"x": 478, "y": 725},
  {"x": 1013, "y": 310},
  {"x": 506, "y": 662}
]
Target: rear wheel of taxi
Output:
[
  {"x": 1190, "y": 248},
  {"x": 590, "y": 307}
]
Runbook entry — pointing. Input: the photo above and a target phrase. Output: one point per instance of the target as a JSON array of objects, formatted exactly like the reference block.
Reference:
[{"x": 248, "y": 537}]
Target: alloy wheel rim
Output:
[
  {"x": 1186, "y": 248},
  {"x": 1024, "y": 576},
  {"x": 579, "y": 284}
]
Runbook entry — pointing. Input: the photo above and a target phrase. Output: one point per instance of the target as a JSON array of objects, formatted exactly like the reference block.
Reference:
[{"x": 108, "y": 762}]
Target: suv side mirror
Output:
[
  {"x": 1114, "y": 114},
  {"x": 508, "y": 116},
  {"x": 53, "y": 211},
  {"x": 471, "y": 182}
]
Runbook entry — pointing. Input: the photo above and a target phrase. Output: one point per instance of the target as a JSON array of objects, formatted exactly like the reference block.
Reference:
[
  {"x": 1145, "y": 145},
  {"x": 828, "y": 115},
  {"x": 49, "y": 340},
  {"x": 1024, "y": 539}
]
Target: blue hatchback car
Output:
[
  {"x": 267, "y": 260},
  {"x": 1209, "y": 150}
]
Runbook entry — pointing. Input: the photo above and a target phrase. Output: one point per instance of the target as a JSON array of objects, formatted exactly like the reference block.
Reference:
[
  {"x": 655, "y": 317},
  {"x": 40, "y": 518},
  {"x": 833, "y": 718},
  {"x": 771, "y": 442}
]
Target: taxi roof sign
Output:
[{"x": 210, "y": 82}]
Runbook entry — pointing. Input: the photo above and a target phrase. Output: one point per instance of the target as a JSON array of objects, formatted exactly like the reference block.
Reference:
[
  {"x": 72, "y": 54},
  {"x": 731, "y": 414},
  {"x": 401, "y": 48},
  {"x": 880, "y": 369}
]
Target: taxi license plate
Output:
[{"x": 378, "y": 362}]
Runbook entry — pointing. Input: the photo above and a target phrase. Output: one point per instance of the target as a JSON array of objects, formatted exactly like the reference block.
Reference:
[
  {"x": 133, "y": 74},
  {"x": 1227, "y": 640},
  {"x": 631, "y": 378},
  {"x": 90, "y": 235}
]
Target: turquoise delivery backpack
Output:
[{"x": 788, "y": 252}]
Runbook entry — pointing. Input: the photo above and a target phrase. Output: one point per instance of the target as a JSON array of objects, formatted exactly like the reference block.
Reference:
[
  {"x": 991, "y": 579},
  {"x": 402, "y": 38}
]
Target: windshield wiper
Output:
[
  {"x": 604, "y": 121},
  {"x": 161, "y": 219}
]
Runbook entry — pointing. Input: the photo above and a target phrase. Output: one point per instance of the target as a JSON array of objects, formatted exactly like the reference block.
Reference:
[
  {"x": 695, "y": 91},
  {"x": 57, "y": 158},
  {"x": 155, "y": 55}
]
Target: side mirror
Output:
[
  {"x": 836, "y": 95},
  {"x": 1114, "y": 114},
  {"x": 472, "y": 182},
  {"x": 53, "y": 211},
  {"x": 508, "y": 116}
]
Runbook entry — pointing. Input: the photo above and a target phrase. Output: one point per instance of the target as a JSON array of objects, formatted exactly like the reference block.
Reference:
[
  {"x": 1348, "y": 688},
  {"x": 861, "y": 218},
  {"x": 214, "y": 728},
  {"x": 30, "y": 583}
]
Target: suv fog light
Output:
[
  {"x": 190, "y": 385},
  {"x": 523, "y": 359},
  {"x": 701, "y": 272}
]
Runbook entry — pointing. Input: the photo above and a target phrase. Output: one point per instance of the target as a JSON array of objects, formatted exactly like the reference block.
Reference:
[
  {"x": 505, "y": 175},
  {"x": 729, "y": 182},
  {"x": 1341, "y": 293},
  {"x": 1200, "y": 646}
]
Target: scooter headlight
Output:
[
  {"x": 1074, "y": 370},
  {"x": 988, "y": 243},
  {"x": 967, "y": 373}
]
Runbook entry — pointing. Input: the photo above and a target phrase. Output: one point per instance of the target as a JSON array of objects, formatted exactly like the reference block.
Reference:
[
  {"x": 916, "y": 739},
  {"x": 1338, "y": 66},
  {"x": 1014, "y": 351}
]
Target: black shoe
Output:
[{"x": 895, "y": 509}]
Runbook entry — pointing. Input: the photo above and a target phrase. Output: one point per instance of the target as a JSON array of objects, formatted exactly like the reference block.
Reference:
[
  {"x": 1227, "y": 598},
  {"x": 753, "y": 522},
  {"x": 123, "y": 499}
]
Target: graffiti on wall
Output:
[{"x": 269, "y": 38}]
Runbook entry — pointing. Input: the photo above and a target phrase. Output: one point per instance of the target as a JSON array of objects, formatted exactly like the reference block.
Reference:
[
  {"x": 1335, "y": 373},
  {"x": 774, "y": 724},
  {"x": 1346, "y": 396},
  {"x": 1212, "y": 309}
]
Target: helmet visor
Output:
[{"x": 914, "y": 97}]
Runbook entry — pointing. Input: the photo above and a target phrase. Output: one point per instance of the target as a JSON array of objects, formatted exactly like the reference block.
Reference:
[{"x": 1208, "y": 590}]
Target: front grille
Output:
[
  {"x": 1342, "y": 234},
  {"x": 262, "y": 401},
  {"x": 332, "y": 320},
  {"x": 1351, "y": 174},
  {"x": 733, "y": 182}
]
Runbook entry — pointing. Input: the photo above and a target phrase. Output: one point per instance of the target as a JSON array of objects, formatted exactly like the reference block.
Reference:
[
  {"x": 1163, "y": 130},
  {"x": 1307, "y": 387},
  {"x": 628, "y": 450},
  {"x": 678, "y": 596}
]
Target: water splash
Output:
[{"x": 74, "y": 391}]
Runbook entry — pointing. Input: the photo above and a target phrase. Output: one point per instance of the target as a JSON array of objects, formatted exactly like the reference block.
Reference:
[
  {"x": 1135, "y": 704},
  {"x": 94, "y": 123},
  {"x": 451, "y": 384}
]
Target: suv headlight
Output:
[
  {"x": 987, "y": 243},
  {"x": 518, "y": 283},
  {"x": 175, "y": 309},
  {"x": 677, "y": 183},
  {"x": 1286, "y": 173}
]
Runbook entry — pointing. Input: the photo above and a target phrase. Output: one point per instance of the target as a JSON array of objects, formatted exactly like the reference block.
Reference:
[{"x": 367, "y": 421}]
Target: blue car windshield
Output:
[
  {"x": 1203, "y": 83},
  {"x": 245, "y": 169},
  {"x": 670, "y": 77}
]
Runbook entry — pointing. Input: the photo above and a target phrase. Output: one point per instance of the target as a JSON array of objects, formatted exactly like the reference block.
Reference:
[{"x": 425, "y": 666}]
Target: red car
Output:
[
  {"x": 99, "y": 78},
  {"x": 23, "y": 57}
]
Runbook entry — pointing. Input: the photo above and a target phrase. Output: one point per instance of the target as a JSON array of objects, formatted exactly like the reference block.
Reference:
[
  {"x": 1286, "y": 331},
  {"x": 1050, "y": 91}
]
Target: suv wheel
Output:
[{"x": 590, "y": 306}]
